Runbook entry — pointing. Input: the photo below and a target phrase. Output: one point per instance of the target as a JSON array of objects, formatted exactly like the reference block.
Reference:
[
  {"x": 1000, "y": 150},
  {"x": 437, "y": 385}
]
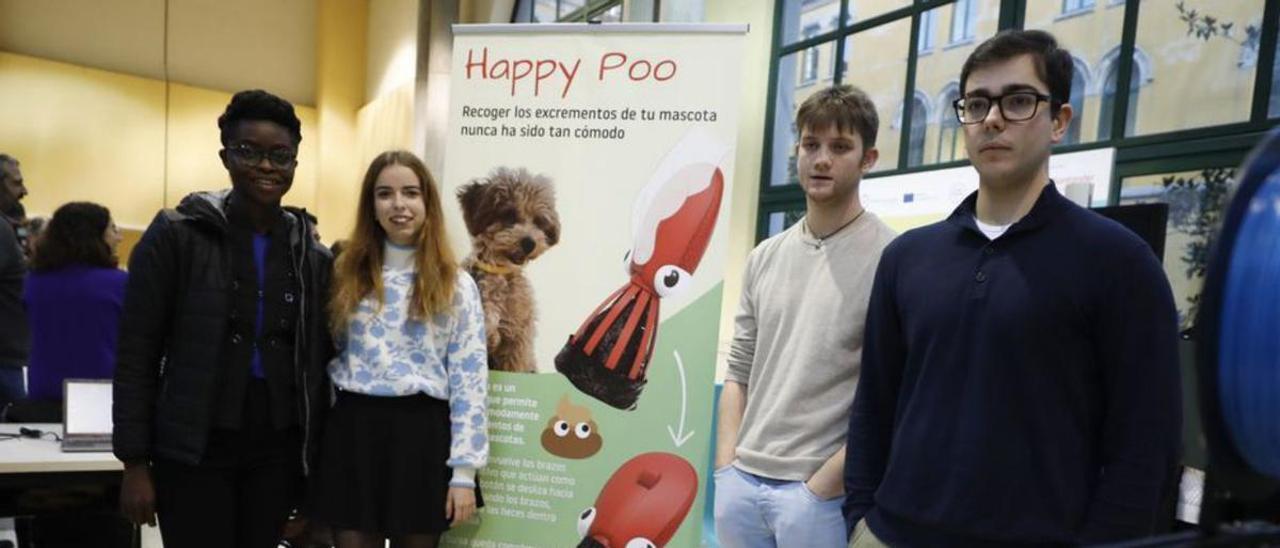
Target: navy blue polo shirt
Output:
[{"x": 1022, "y": 390}]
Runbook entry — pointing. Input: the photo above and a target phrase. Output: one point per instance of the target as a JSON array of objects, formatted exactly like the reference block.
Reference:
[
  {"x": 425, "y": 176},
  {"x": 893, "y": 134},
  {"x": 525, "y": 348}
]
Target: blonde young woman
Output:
[{"x": 408, "y": 429}]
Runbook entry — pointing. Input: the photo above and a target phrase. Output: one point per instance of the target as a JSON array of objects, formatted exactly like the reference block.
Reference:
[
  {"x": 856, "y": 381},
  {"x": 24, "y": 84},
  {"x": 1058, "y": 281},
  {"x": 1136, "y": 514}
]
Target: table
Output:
[
  {"x": 38, "y": 466},
  {"x": 44, "y": 455}
]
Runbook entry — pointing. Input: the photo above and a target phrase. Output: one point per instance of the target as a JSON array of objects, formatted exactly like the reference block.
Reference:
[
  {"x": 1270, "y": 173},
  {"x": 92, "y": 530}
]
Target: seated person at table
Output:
[{"x": 73, "y": 298}]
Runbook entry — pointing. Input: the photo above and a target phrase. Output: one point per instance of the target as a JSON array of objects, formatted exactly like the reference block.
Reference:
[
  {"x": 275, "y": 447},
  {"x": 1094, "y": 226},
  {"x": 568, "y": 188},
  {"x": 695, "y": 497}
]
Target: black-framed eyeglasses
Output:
[
  {"x": 281, "y": 158},
  {"x": 1014, "y": 107}
]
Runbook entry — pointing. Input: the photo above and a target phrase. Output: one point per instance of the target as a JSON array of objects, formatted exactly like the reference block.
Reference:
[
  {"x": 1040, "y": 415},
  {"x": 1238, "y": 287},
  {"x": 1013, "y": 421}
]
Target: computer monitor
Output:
[
  {"x": 86, "y": 417},
  {"x": 1148, "y": 221}
]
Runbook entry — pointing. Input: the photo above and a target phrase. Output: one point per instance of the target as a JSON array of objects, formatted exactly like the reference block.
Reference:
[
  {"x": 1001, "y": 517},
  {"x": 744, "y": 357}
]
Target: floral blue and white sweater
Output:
[{"x": 384, "y": 353}]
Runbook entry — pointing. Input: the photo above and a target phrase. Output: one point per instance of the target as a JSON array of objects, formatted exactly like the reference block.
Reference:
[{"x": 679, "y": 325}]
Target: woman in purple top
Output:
[{"x": 73, "y": 297}]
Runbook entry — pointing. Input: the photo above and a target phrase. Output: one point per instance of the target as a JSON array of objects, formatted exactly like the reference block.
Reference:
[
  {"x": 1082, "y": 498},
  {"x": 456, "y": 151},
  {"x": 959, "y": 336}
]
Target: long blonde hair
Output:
[{"x": 358, "y": 269}]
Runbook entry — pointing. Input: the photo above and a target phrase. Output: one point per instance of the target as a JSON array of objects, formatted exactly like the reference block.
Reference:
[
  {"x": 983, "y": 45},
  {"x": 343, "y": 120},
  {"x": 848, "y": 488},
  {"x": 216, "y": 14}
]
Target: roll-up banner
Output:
[{"x": 588, "y": 170}]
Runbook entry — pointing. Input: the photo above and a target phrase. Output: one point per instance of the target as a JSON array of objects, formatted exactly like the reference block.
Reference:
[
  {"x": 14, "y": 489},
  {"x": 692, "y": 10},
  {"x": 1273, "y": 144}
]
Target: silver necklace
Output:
[{"x": 820, "y": 239}]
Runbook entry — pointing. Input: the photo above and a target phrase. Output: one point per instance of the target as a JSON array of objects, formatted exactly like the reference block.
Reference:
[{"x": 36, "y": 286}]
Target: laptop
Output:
[{"x": 86, "y": 416}]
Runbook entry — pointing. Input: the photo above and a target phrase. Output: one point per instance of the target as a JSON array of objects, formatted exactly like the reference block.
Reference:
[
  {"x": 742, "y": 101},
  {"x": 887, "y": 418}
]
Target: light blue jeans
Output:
[{"x": 756, "y": 512}]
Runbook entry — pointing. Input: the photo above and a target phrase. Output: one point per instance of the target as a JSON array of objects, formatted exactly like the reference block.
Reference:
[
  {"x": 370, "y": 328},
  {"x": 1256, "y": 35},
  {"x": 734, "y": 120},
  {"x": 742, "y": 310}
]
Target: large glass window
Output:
[
  {"x": 1189, "y": 70},
  {"x": 1093, "y": 38},
  {"x": 935, "y": 73},
  {"x": 794, "y": 86},
  {"x": 875, "y": 61},
  {"x": 1195, "y": 71}
]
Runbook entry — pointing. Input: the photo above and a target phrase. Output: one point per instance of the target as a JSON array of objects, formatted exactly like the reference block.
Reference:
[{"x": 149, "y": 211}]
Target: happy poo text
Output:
[{"x": 538, "y": 75}]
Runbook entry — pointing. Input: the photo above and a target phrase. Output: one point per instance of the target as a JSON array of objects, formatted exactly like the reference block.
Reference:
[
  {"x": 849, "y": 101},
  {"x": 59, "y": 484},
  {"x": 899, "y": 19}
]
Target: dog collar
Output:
[{"x": 495, "y": 269}]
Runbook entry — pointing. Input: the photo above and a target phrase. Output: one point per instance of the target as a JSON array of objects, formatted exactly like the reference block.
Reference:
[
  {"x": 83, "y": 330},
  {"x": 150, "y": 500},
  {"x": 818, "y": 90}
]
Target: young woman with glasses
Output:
[{"x": 220, "y": 388}]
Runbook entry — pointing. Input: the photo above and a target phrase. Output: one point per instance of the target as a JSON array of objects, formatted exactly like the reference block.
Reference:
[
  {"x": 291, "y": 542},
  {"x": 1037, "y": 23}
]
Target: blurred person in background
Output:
[
  {"x": 14, "y": 337},
  {"x": 35, "y": 226},
  {"x": 73, "y": 297}
]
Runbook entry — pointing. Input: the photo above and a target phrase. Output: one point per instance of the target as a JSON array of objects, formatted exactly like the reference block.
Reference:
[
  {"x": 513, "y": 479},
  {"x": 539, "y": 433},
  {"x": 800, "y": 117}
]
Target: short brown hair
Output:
[{"x": 846, "y": 106}]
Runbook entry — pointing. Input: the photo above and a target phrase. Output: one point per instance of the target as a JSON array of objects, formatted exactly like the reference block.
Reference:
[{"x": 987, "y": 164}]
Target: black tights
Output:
[{"x": 360, "y": 539}]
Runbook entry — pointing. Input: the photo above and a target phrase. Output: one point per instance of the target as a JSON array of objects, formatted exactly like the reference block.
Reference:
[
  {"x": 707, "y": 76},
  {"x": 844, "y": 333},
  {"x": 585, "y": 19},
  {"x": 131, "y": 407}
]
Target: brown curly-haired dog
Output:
[{"x": 511, "y": 216}]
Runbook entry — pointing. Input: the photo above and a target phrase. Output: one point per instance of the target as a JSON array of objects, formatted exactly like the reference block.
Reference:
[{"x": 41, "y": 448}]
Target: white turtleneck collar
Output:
[{"x": 398, "y": 257}]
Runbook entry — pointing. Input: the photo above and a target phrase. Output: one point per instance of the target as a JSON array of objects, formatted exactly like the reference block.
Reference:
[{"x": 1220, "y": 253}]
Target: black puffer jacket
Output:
[{"x": 174, "y": 327}]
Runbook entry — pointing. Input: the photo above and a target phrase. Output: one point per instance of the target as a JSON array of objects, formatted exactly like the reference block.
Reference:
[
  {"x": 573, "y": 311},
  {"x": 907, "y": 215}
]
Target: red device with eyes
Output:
[
  {"x": 674, "y": 218},
  {"x": 642, "y": 505}
]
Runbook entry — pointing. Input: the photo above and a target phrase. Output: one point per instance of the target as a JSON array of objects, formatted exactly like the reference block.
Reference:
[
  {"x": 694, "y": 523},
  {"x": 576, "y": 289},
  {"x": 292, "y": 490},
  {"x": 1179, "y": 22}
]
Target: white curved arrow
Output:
[{"x": 680, "y": 436}]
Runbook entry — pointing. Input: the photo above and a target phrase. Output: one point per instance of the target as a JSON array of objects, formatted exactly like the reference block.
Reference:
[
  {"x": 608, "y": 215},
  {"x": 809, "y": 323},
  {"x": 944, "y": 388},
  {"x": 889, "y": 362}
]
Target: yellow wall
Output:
[
  {"x": 360, "y": 116},
  {"x": 746, "y": 179},
  {"x": 392, "y": 46},
  {"x": 84, "y": 134},
  {"x": 89, "y": 134},
  {"x": 340, "y": 83},
  {"x": 385, "y": 123}
]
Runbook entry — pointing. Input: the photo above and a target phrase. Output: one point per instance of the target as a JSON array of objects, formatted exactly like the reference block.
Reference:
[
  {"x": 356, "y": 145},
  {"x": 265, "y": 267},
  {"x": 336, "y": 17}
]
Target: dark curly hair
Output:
[
  {"x": 74, "y": 236},
  {"x": 255, "y": 104}
]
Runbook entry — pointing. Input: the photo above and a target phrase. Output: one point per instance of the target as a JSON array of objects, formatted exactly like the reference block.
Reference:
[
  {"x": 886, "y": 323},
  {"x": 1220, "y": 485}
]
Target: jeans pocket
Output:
[
  {"x": 808, "y": 493},
  {"x": 722, "y": 470},
  {"x": 814, "y": 498}
]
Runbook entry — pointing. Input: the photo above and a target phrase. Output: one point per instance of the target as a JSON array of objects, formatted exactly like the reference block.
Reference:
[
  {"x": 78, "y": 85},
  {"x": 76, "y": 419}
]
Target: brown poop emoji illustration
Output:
[{"x": 571, "y": 433}]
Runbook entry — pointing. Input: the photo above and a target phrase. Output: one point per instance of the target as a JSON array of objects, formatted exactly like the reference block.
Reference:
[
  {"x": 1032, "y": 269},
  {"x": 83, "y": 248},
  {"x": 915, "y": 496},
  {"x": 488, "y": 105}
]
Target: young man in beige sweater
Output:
[{"x": 794, "y": 359}]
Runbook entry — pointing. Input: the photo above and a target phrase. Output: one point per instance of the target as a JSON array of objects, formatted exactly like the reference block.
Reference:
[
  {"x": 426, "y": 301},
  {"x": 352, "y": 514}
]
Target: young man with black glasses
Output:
[
  {"x": 220, "y": 382},
  {"x": 1019, "y": 377}
]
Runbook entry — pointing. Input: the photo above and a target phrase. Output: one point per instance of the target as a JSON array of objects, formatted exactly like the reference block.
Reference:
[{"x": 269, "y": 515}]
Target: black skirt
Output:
[{"x": 382, "y": 465}]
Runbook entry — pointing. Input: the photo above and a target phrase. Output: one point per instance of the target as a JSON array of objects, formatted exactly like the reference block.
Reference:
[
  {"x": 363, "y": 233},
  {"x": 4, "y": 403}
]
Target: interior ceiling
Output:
[{"x": 226, "y": 45}]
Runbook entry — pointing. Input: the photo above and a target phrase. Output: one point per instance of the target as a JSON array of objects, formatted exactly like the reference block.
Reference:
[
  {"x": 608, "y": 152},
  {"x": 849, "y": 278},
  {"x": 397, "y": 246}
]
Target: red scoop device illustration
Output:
[
  {"x": 642, "y": 505},
  {"x": 673, "y": 219}
]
